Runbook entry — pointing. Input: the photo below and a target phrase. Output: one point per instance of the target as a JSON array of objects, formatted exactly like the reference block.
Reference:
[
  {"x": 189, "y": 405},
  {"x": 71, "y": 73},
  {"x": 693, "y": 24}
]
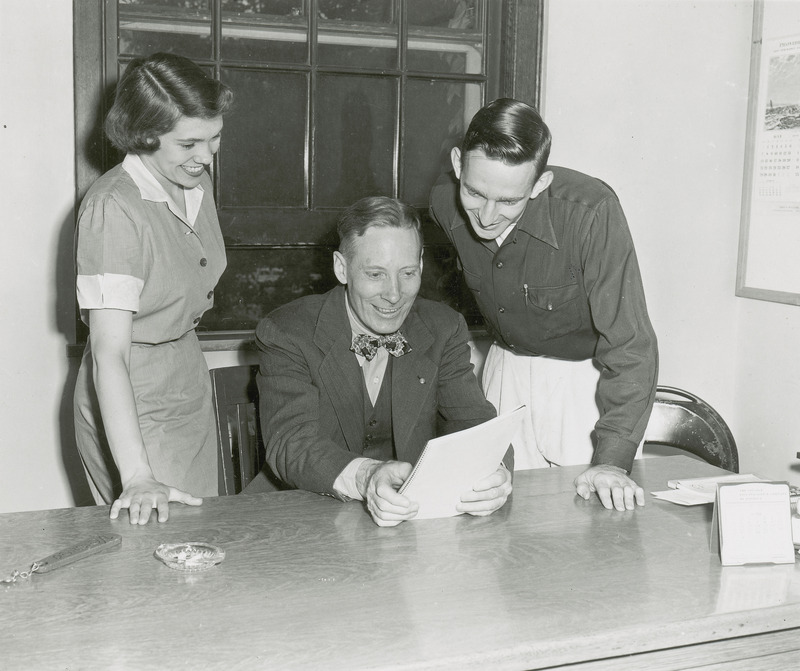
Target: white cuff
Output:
[
  {"x": 109, "y": 290},
  {"x": 345, "y": 483}
]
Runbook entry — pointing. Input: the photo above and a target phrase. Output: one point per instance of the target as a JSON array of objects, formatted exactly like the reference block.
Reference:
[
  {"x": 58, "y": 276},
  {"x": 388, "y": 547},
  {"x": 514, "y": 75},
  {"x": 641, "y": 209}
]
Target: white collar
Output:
[
  {"x": 501, "y": 238},
  {"x": 150, "y": 189}
]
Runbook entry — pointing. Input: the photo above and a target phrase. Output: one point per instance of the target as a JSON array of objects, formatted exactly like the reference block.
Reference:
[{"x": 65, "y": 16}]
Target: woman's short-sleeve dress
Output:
[{"x": 136, "y": 252}]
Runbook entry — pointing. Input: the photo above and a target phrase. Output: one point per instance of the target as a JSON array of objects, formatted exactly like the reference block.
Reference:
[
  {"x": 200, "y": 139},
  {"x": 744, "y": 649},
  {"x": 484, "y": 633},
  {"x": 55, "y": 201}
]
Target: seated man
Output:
[{"x": 346, "y": 411}]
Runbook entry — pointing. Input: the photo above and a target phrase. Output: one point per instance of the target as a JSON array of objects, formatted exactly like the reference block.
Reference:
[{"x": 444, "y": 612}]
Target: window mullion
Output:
[
  {"x": 311, "y": 95},
  {"x": 216, "y": 56},
  {"x": 401, "y": 15}
]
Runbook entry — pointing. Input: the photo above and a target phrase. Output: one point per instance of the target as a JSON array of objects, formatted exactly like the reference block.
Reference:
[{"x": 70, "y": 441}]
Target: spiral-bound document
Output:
[{"x": 450, "y": 465}]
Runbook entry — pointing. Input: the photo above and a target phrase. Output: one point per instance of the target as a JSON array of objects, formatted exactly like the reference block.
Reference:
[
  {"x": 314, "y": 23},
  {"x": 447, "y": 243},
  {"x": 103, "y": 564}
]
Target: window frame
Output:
[{"x": 518, "y": 52}]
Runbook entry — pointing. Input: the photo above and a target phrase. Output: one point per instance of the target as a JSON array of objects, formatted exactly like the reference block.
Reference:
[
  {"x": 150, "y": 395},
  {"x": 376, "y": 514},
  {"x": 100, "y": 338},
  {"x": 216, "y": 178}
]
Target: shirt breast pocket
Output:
[{"x": 553, "y": 311}]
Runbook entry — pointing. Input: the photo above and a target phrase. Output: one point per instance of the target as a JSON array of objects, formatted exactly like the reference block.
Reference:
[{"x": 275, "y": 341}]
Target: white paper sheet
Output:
[{"x": 450, "y": 465}]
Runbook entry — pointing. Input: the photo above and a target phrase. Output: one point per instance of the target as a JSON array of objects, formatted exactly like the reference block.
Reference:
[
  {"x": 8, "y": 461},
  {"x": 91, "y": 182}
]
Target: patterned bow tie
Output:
[{"x": 367, "y": 345}]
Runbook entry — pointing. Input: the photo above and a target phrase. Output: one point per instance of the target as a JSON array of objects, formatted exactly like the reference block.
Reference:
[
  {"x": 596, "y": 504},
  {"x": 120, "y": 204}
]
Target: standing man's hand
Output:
[
  {"x": 613, "y": 487},
  {"x": 378, "y": 482}
]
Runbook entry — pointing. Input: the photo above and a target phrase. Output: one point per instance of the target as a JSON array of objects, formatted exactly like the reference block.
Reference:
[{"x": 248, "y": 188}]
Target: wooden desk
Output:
[{"x": 309, "y": 582}]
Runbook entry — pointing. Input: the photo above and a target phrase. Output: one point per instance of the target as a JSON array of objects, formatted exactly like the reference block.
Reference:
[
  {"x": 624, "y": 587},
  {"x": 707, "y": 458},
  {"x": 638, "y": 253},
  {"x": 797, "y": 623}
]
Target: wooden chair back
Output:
[{"x": 241, "y": 450}]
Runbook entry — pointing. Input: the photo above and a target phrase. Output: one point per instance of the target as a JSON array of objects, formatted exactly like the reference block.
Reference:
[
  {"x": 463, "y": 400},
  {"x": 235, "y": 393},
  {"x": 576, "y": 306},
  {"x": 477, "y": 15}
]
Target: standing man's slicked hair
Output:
[{"x": 511, "y": 131}]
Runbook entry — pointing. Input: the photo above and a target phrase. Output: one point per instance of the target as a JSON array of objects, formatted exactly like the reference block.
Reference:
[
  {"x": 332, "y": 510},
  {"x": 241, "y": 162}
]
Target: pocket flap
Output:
[{"x": 552, "y": 298}]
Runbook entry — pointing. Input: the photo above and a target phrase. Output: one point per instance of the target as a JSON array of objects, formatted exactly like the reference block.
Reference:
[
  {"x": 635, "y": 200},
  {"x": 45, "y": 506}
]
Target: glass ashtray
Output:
[{"x": 190, "y": 557}]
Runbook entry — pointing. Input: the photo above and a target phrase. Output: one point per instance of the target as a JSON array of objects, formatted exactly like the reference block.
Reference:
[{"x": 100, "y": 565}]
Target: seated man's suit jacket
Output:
[{"x": 311, "y": 387}]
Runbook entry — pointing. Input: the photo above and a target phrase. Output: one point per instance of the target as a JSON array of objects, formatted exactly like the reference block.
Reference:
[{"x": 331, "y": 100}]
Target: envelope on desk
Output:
[
  {"x": 450, "y": 465},
  {"x": 697, "y": 491}
]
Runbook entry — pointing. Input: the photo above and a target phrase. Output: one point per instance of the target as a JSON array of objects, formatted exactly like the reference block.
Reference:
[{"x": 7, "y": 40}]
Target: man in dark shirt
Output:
[{"x": 547, "y": 253}]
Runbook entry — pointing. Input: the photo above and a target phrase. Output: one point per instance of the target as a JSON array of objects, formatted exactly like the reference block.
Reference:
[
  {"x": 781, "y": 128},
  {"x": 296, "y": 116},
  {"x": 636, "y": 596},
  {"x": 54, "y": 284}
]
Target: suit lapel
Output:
[
  {"x": 413, "y": 381},
  {"x": 339, "y": 372}
]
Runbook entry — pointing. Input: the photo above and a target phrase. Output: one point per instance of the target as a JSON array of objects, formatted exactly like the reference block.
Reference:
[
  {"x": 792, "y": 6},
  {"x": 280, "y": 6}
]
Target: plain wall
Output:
[
  {"x": 37, "y": 192},
  {"x": 649, "y": 95}
]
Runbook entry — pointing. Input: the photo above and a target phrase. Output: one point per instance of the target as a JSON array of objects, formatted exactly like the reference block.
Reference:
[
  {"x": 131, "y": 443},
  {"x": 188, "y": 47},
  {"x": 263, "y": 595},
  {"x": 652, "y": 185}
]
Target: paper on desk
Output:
[
  {"x": 696, "y": 491},
  {"x": 450, "y": 465},
  {"x": 682, "y": 497}
]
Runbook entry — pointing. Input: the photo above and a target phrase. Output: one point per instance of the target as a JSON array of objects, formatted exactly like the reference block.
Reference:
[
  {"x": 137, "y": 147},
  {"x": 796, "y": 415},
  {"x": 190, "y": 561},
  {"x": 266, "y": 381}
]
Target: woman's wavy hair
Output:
[{"x": 154, "y": 93}]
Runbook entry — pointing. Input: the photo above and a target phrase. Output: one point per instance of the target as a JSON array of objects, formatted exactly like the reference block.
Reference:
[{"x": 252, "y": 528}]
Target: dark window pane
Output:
[
  {"x": 355, "y": 127},
  {"x": 175, "y": 26},
  {"x": 259, "y": 280},
  {"x": 357, "y": 33},
  {"x": 436, "y": 117},
  {"x": 282, "y": 227},
  {"x": 356, "y": 11},
  {"x": 265, "y": 30},
  {"x": 442, "y": 281},
  {"x": 445, "y": 36},
  {"x": 262, "y": 152}
]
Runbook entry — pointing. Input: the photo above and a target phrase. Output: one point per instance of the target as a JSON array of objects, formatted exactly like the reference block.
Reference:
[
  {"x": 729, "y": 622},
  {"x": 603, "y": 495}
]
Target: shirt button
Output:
[
  {"x": 501, "y": 310},
  {"x": 549, "y": 306},
  {"x": 373, "y": 422},
  {"x": 499, "y": 264},
  {"x": 204, "y": 262},
  {"x": 368, "y": 437},
  {"x": 210, "y": 294}
]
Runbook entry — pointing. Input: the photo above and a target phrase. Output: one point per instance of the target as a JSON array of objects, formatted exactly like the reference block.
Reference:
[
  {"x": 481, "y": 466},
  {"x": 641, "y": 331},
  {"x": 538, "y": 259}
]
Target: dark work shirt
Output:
[{"x": 565, "y": 283}]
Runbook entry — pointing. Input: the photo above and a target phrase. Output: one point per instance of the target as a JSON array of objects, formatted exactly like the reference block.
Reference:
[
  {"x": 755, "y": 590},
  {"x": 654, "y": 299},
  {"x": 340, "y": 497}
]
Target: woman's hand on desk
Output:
[
  {"x": 141, "y": 497},
  {"x": 487, "y": 495},
  {"x": 613, "y": 487}
]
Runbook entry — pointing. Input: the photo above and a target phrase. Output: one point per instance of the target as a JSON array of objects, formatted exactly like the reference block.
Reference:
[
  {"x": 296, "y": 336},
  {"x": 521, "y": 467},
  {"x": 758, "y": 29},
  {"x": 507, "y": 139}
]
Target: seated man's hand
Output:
[
  {"x": 487, "y": 495},
  {"x": 613, "y": 486},
  {"x": 378, "y": 482}
]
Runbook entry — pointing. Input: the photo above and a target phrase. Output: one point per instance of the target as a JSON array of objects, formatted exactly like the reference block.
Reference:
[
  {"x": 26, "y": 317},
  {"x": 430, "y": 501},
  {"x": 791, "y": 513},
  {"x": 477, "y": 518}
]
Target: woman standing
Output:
[{"x": 149, "y": 254}]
